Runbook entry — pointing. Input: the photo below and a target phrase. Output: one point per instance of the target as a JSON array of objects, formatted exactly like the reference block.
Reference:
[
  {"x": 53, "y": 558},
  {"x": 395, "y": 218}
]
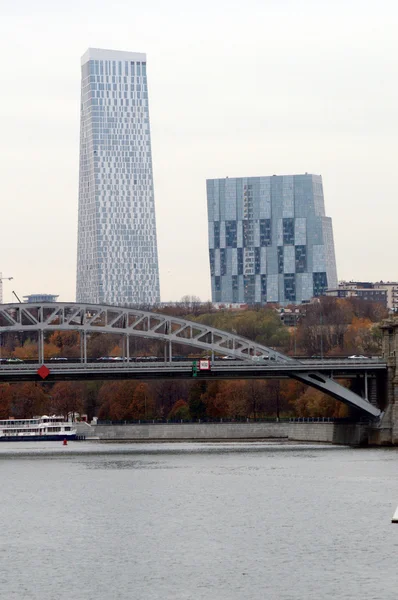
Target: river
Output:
[{"x": 257, "y": 521}]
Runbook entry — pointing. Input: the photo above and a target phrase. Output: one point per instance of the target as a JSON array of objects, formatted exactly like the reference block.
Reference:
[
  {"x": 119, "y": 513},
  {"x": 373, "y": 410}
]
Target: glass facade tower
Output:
[
  {"x": 269, "y": 239},
  {"x": 117, "y": 260}
]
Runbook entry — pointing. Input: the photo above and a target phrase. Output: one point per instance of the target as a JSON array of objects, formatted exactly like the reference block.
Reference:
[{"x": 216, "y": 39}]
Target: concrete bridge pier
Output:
[{"x": 386, "y": 432}]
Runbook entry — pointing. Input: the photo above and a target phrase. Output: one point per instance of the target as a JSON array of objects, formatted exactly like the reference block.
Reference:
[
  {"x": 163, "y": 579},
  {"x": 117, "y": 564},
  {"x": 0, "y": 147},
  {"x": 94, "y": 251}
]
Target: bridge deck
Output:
[{"x": 158, "y": 370}]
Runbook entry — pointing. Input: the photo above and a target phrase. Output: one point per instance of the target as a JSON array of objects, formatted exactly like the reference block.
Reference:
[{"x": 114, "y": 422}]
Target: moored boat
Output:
[{"x": 39, "y": 429}]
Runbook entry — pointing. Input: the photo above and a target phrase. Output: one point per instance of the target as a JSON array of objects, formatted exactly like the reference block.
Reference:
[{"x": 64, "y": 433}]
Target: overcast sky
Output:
[{"x": 236, "y": 88}]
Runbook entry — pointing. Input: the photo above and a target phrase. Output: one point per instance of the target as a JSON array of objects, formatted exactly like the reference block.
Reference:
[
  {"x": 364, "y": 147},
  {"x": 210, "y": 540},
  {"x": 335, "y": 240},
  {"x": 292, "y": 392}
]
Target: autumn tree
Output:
[
  {"x": 29, "y": 350},
  {"x": 29, "y": 400},
  {"x": 67, "y": 398},
  {"x": 67, "y": 342},
  {"x": 50, "y": 350},
  {"x": 179, "y": 411},
  {"x": 166, "y": 393},
  {"x": 5, "y": 400},
  {"x": 142, "y": 404},
  {"x": 364, "y": 309},
  {"x": 256, "y": 391},
  {"x": 101, "y": 344},
  {"x": 232, "y": 395},
  {"x": 363, "y": 337},
  {"x": 290, "y": 391},
  {"x": 216, "y": 403},
  {"x": 115, "y": 399},
  {"x": 314, "y": 403}
]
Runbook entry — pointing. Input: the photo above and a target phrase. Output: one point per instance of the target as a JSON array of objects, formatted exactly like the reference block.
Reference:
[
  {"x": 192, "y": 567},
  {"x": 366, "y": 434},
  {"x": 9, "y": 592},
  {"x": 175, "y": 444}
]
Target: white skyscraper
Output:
[{"x": 117, "y": 260}]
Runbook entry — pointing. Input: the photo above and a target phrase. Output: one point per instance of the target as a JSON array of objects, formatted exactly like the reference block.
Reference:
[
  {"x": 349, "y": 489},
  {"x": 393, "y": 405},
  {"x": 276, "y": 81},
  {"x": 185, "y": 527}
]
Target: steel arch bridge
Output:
[{"x": 127, "y": 322}]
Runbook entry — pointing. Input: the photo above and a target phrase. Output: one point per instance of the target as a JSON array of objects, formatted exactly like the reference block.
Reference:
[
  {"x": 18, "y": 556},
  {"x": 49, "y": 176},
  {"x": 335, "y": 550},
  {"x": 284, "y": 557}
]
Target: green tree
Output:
[{"x": 180, "y": 411}]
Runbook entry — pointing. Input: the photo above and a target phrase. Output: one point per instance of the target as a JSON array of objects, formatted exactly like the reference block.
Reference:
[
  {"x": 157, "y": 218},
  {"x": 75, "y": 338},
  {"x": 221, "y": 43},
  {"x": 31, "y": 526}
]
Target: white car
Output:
[{"x": 358, "y": 356}]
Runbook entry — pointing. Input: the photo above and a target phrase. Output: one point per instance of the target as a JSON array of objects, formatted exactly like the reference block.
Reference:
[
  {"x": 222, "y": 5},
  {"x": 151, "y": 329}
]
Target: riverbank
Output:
[{"x": 352, "y": 434}]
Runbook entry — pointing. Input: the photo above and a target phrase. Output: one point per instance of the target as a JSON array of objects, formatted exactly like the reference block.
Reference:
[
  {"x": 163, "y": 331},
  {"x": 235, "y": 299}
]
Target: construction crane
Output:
[{"x": 1, "y": 285}]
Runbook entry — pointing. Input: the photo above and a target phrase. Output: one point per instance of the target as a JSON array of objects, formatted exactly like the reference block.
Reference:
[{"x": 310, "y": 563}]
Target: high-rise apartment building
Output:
[
  {"x": 269, "y": 239},
  {"x": 117, "y": 260}
]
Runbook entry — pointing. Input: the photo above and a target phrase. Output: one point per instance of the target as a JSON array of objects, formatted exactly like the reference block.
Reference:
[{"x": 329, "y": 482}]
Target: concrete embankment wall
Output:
[
  {"x": 193, "y": 431},
  {"x": 351, "y": 434},
  {"x": 332, "y": 433}
]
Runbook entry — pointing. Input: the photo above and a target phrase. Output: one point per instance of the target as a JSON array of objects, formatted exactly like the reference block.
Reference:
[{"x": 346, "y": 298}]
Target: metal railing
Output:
[{"x": 329, "y": 364}]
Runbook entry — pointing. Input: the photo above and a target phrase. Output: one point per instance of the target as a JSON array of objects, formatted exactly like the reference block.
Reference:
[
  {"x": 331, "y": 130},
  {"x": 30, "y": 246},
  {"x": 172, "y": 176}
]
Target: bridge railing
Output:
[
  {"x": 207, "y": 420},
  {"x": 322, "y": 420}
]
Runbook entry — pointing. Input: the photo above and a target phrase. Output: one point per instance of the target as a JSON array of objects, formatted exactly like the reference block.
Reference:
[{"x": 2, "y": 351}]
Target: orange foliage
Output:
[
  {"x": 115, "y": 398},
  {"x": 65, "y": 338},
  {"x": 142, "y": 405},
  {"x": 28, "y": 350},
  {"x": 29, "y": 400},
  {"x": 116, "y": 351},
  {"x": 66, "y": 397},
  {"x": 180, "y": 410},
  {"x": 313, "y": 403},
  {"x": 232, "y": 395},
  {"x": 5, "y": 400}
]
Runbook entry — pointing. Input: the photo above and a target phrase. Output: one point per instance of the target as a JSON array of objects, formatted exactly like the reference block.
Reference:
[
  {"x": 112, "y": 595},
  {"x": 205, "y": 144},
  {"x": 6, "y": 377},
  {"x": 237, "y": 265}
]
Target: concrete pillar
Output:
[
  {"x": 390, "y": 354},
  {"x": 372, "y": 391}
]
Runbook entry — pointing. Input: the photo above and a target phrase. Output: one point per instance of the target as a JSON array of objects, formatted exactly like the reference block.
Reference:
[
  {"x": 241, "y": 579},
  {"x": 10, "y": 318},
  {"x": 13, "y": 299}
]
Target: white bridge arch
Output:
[{"x": 129, "y": 322}]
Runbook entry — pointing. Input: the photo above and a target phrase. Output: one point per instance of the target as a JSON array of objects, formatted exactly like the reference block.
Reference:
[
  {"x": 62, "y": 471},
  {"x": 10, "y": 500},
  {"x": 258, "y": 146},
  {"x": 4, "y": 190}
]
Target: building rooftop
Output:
[
  {"x": 103, "y": 54},
  {"x": 40, "y": 298}
]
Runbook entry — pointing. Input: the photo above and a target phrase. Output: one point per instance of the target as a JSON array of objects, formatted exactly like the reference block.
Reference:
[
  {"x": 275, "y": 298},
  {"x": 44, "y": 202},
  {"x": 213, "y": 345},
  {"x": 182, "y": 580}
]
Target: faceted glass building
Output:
[
  {"x": 117, "y": 259},
  {"x": 269, "y": 239}
]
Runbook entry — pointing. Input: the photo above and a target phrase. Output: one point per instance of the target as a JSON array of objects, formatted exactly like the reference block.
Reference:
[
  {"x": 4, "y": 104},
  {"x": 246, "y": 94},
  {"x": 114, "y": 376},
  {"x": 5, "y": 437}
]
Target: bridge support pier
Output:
[{"x": 386, "y": 432}]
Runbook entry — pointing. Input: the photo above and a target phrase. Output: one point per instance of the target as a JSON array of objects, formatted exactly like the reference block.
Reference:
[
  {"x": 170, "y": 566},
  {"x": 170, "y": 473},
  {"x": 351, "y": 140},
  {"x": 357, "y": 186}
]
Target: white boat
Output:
[{"x": 38, "y": 429}]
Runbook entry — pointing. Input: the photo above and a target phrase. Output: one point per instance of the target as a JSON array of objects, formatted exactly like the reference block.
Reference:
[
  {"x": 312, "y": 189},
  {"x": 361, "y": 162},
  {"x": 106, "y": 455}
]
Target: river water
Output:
[{"x": 197, "y": 521}]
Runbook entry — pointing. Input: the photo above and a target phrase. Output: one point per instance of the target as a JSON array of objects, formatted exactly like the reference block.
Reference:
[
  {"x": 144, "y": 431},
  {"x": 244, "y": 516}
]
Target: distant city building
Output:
[
  {"x": 117, "y": 258},
  {"x": 384, "y": 292},
  {"x": 269, "y": 239},
  {"x": 35, "y": 298}
]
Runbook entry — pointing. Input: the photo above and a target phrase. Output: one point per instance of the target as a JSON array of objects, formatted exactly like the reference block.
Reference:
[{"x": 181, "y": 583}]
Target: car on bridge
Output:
[
  {"x": 358, "y": 356},
  {"x": 14, "y": 360}
]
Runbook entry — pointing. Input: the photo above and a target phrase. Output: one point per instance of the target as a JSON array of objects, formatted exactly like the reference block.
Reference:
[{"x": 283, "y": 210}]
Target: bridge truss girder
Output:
[
  {"x": 339, "y": 392},
  {"x": 128, "y": 322},
  {"x": 92, "y": 318}
]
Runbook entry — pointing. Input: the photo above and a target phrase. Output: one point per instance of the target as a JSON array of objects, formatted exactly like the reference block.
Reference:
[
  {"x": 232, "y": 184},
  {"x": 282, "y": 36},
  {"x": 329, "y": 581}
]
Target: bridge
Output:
[{"x": 252, "y": 360}]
